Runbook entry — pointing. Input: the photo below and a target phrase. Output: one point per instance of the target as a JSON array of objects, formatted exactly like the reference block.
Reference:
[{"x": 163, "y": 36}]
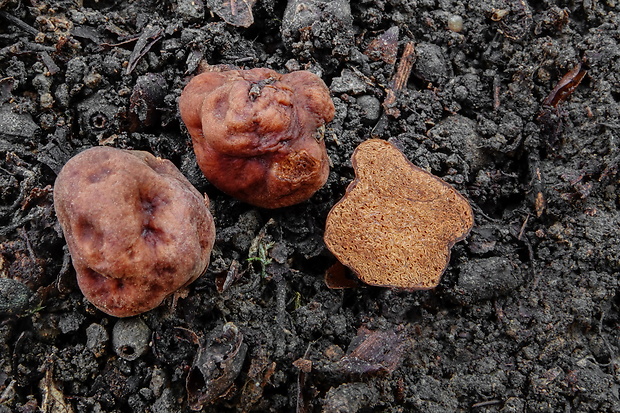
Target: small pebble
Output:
[
  {"x": 190, "y": 10},
  {"x": 348, "y": 82},
  {"x": 371, "y": 107},
  {"x": 96, "y": 339},
  {"x": 158, "y": 382},
  {"x": 455, "y": 23},
  {"x": 70, "y": 322},
  {"x": 46, "y": 100},
  {"x": 14, "y": 296},
  {"x": 130, "y": 338},
  {"x": 486, "y": 278},
  {"x": 16, "y": 126},
  {"x": 431, "y": 64}
]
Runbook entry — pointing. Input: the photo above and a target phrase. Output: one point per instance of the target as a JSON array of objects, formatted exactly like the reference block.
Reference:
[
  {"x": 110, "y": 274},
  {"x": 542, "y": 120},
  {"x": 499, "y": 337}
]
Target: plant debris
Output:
[
  {"x": 234, "y": 12},
  {"x": 566, "y": 86},
  {"x": 217, "y": 364}
]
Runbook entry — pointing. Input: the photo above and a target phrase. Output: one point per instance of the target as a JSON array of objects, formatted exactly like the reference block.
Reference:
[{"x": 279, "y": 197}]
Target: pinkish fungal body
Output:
[
  {"x": 137, "y": 230},
  {"x": 258, "y": 134}
]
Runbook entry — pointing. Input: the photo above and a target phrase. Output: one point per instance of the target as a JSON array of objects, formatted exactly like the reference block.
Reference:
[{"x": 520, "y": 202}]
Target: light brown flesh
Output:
[{"x": 396, "y": 224}]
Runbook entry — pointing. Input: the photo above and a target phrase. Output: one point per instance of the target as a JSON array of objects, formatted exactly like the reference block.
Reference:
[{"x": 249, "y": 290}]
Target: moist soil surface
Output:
[{"x": 516, "y": 106}]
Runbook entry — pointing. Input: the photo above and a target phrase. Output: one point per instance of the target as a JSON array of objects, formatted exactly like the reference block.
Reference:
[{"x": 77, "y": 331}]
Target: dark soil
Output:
[{"x": 527, "y": 315}]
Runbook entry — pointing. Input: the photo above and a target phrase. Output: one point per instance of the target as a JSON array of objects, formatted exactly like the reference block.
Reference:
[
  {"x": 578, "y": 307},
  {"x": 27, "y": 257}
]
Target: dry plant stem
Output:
[
  {"x": 404, "y": 67},
  {"x": 396, "y": 85},
  {"x": 400, "y": 77},
  {"x": 496, "y": 90}
]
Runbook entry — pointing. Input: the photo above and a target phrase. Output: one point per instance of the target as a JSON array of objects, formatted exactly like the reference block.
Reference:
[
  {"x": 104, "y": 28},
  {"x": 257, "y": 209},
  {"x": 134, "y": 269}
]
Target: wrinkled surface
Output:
[
  {"x": 136, "y": 229},
  {"x": 258, "y": 135},
  {"x": 536, "y": 332},
  {"x": 396, "y": 224}
]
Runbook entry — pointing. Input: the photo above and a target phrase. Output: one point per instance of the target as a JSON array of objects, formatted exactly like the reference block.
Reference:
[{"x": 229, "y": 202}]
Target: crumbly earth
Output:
[{"x": 527, "y": 315}]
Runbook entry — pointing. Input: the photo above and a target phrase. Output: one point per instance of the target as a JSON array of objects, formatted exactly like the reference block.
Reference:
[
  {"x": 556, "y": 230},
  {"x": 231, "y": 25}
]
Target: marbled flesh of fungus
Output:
[
  {"x": 136, "y": 229},
  {"x": 258, "y": 135},
  {"x": 396, "y": 223}
]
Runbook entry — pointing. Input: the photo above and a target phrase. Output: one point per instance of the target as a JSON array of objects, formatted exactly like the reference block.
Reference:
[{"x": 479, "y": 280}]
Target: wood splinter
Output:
[{"x": 397, "y": 83}]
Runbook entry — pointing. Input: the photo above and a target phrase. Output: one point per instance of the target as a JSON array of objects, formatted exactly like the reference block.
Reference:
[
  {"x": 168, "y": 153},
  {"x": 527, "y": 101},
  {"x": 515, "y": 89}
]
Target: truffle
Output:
[
  {"x": 258, "y": 134},
  {"x": 136, "y": 229},
  {"x": 396, "y": 223}
]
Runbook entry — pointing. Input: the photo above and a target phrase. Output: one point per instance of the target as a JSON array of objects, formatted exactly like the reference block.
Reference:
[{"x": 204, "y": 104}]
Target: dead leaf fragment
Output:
[
  {"x": 53, "y": 397},
  {"x": 216, "y": 366},
  {"x": 148, "y": 38},
  {"x": 566, "y": 86},
  {"x": 374, "y": 352},
  {"x": 234, "y": 12},
  {"x": 259, "y": 374},
  {"x": 384, "y": 47}
]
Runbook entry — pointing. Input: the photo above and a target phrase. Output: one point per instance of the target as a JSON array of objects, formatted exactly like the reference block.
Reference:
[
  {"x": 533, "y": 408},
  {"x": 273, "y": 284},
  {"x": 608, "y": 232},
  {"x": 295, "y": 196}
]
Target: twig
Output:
[
  {"x": 496, "y": 89},
  {"x": 396, "y": 85},
  {"x": 400, "y": 79},
  {"x": 527, "y": 218},
  {"x": 486, "y": 403},
  {"x": 17, "y": 22},
  {"x": 150, "y": 36}
]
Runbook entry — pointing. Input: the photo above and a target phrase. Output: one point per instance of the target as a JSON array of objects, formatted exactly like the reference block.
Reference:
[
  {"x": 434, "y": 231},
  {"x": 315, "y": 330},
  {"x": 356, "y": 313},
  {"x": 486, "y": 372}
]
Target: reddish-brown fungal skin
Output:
[
  {"x": 258, "y": 134},
  {"x": 137, "y": 230}
]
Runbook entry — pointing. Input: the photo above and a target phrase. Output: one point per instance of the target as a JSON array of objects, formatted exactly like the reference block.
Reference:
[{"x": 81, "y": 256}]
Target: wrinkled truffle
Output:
[
  {"x": 258, "y": 135},
  {"x": 137, "y": 230},
  {"x": 396, "y": 223}
]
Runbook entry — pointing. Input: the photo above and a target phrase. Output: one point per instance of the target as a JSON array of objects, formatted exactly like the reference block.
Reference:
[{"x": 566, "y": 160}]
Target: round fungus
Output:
[
  {"x": 258, "y": 134},
  {"x": 396, "y": 223},
  {"x": 136, "y": 229}
]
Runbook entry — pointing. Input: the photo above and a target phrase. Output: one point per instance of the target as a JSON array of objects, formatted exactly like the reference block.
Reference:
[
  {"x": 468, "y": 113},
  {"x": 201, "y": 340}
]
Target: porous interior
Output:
[{"x": 396, "y": 223}]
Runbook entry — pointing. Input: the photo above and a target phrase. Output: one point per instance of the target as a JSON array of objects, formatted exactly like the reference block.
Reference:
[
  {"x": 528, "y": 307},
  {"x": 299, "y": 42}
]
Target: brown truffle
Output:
[
  {"x": 396, "y": 223},
  {"x": 137, "y": 230},
  {"x": 258, "y": 135}
]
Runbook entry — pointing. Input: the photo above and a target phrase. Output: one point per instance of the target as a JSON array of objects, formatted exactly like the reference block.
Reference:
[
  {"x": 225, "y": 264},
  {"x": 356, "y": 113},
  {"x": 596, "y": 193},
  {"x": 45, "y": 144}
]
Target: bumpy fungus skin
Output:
[
  {"x": 258, "y": 135},
  {"x": 137, "y": 230},
  {"x": 396, "y": 223}
]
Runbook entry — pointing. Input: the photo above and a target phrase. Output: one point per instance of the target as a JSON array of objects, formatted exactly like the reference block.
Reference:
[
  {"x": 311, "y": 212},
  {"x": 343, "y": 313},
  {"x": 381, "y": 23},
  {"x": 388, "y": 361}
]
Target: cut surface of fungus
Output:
[
  {"x": 136, "y": 229},
  {"x": 258, "y": 134},
  {"x": 396, "y": 223}
]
